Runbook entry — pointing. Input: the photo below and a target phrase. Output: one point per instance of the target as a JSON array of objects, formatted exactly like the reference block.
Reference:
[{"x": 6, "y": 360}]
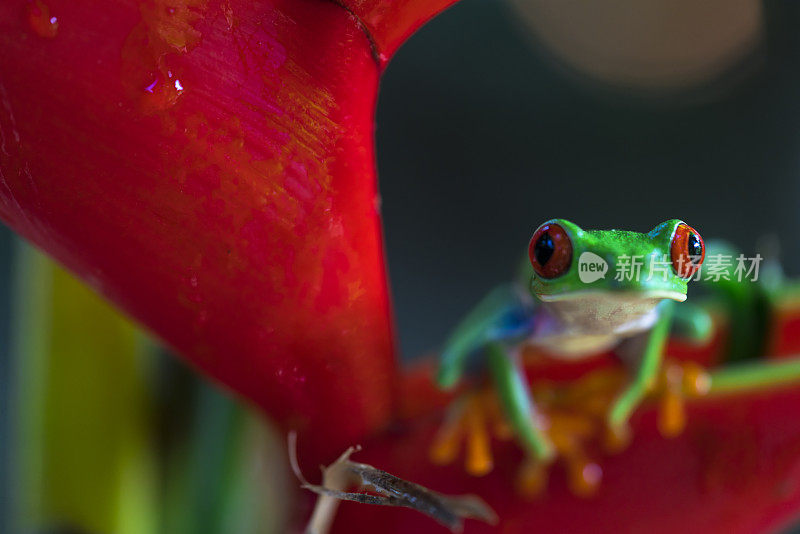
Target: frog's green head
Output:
[{"x": 586, "y": 266}]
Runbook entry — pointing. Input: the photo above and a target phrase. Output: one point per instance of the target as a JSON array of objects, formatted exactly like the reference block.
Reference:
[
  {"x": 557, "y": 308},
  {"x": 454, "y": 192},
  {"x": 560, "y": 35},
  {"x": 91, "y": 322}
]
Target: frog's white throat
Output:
[
  {"x": 577, "y": 325},
  {"x": 618, "y": 313}
]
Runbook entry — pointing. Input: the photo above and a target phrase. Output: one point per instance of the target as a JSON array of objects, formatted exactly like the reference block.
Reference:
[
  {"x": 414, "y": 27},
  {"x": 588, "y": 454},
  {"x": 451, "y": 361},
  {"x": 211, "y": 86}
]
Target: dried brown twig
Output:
[{"x": 389, "y": 491}]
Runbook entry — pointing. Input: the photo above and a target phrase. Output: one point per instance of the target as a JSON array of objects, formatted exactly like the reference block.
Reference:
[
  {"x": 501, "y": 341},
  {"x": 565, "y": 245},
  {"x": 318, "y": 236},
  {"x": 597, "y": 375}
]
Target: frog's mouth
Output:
[{"x": 615, "y": 296}]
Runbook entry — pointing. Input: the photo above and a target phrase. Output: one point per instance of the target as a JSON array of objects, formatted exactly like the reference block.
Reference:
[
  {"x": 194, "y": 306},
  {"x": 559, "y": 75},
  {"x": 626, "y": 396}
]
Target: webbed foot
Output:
[
  {"x": 473, "y": 420},
  {"x": 568, "y": 432},
  {"x": 677, "y": 382}
]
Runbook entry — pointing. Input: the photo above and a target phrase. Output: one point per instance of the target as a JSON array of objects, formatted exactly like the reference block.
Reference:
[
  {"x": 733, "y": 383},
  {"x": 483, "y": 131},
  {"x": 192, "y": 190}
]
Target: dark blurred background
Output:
[{"x": 484, "y": 132}]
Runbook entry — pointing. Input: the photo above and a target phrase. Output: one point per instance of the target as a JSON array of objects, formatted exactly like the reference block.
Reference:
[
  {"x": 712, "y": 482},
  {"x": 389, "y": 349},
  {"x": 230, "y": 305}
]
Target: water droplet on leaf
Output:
[{"x": 41, "y": 21}]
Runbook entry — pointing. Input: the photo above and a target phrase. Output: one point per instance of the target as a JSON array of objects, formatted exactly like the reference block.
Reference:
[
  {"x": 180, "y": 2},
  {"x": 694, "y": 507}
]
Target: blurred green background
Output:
[
  {"x": 492, "y": 119},
  {"x": 104, "y": 432}
]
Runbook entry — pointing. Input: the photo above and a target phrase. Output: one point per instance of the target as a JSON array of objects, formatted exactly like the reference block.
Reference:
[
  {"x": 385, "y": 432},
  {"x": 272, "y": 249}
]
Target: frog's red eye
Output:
[
  {"x": 550, "y": 251},
  {"x": 687, "y": 250}
]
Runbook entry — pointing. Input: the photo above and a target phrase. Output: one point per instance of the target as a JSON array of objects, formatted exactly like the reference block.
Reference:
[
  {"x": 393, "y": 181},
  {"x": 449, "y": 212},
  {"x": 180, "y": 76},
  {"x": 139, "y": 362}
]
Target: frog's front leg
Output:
[
  {"x": 649, "y": 364},
  {"x": 512, "y": 388},
  {"x": 503, "y": 317}
]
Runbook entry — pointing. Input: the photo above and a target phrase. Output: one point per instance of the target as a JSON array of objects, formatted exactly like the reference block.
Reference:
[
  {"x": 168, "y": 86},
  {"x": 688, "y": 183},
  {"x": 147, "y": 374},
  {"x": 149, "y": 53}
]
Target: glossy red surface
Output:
[
  {"x": 736, "y": 468},
  {"x": 209, "y": 167},
  {"x": 390, "y": 22}
]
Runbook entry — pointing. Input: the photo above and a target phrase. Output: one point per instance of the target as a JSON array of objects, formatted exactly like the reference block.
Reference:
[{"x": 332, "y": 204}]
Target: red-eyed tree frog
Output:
[{"x": 589, "y": 291}]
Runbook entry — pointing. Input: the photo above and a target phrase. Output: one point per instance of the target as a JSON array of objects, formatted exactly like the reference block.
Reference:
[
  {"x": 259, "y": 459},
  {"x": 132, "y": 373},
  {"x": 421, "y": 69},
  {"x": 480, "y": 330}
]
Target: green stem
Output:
[{"x": 755, "y": 376}]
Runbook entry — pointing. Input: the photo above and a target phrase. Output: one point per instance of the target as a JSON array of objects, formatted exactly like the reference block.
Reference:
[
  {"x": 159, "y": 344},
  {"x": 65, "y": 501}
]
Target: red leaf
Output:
[
  {"x": 390, "y": 23},
  {"x": 209, "y": 167},
  {"x": 736, "y": 468}
]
